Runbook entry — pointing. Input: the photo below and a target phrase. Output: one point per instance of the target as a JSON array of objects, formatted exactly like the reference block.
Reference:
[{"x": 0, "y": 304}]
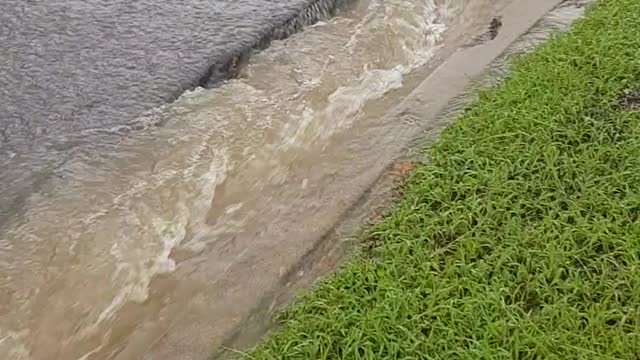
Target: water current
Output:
[{"x": 142, "y": 196}]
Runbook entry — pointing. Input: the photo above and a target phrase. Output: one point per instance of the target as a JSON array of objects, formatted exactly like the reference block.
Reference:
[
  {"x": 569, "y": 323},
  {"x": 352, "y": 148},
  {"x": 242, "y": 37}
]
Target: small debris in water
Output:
[
  {"x": 490, "y": 34},
  {"x": 494, "y": 27}
]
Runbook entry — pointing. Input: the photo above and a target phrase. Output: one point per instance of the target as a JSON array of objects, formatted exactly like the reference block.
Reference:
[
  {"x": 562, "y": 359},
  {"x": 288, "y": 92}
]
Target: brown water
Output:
[{"x": 157, "y": 248}]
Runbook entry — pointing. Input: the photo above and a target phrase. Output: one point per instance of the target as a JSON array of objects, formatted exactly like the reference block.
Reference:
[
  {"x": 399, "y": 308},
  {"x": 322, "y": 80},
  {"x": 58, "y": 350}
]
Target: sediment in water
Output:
[
  {"x": 331, "y": 249},
  {"x": 229, "y": 66},
  {"x": 225, "y": 67}
]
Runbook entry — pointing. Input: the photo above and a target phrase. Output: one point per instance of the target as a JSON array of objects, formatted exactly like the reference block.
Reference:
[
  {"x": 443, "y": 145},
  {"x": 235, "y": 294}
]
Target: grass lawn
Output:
[{"x": 520, "y": 238}]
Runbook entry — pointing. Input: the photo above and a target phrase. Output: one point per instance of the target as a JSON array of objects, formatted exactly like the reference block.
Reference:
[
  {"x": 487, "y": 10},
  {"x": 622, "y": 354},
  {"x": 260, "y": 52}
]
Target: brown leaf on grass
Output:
[{"x": 401, "y": 168}]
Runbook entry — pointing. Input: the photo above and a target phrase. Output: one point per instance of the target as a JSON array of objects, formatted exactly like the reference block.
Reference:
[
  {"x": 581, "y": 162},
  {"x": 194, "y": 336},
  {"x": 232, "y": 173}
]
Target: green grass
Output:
[{"x": 520, "y": 238}]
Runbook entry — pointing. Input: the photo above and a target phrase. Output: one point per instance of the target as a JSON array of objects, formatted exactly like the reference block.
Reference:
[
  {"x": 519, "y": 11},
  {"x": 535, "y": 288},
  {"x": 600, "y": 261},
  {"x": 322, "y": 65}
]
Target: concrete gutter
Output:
[{"x": 433, "y": 104}]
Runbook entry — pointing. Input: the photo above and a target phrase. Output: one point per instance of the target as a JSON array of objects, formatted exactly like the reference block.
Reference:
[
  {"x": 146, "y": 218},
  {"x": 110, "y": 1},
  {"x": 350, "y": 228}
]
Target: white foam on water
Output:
[
  {"x": 344, "y": 106},
  {"x": 189, "y": 213},
  {"x": 133, "y": 234},
  {"x": 362, "y": 24},
  {"x": 417, "y": 31}
]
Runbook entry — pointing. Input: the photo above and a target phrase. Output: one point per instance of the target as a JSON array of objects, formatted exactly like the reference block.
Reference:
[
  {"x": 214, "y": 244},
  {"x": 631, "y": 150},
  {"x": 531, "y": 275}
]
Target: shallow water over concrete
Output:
[{"x": 152, "y": 236}]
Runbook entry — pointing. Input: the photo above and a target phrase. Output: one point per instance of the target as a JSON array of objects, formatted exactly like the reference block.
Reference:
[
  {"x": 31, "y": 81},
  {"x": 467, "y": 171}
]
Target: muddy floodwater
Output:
[{"x": 146, "y": 205}]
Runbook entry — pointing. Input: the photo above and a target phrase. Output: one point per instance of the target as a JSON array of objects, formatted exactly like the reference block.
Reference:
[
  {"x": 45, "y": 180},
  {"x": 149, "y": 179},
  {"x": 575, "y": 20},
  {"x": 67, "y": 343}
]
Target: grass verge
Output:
[{"x": 520, "y": 239}]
